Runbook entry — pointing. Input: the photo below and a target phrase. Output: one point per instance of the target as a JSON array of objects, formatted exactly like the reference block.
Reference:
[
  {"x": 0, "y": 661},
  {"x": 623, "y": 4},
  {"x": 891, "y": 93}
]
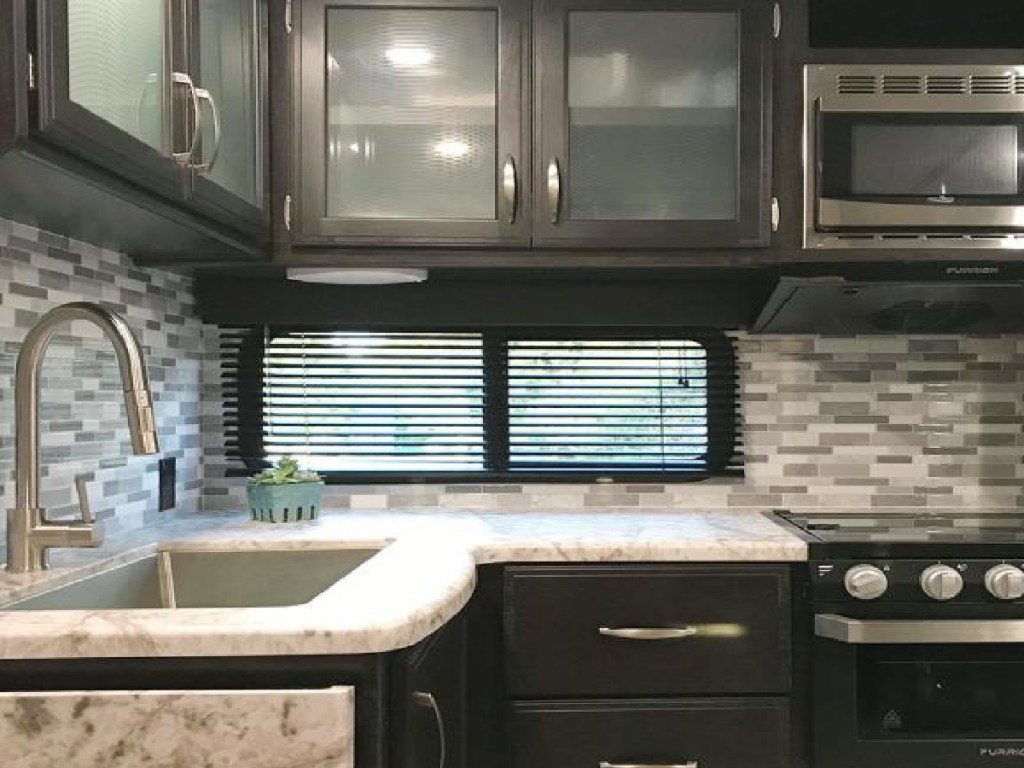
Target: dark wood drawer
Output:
[
  {"x": 710, "y": 733},
  {"x": 739, "y": 616}
]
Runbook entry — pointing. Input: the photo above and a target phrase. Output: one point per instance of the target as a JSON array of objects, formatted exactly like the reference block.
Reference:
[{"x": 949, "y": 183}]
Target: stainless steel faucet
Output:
[{"x": 29, "y": 533}]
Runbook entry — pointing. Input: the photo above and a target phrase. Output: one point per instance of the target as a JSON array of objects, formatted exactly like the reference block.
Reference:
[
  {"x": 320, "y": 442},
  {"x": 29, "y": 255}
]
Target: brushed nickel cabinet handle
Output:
[
  {"x": 648, "y": 633},
  {"x": 427, "y": 701},
  {"x": 510, "y": 188},
  {"x": 554, "y": 189},
  {"x": 687, "y": 764},
  {"x": 185, "y": 158},
  {"x": 207, "y": 166}
]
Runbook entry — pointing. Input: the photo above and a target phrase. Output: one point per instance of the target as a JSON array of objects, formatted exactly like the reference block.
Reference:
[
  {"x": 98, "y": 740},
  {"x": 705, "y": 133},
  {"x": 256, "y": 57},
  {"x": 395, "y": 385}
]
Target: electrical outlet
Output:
[{"x": 168, "y": 481}]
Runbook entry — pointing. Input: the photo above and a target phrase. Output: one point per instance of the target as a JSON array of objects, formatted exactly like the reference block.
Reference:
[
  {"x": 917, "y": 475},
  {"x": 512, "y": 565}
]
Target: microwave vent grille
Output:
[
  {"x": 902, "y": 84},
  {"x": 1008, "y": 84},
  {"x": 856, "y": 84}
]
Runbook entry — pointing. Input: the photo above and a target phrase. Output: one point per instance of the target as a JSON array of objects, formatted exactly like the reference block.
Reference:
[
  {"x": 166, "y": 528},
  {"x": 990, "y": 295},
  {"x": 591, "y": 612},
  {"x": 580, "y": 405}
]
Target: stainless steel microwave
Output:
[{"x": 911, "y": 156}]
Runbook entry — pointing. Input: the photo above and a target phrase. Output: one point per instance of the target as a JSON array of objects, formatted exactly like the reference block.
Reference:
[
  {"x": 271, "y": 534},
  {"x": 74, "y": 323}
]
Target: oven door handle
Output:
[{"x": 896, "y": 632}]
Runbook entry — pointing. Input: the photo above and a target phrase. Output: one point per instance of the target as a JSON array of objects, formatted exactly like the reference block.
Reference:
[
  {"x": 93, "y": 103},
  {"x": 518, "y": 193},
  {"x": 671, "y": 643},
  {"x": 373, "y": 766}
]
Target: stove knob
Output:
[
  {"x": 1005, "y": 582},
  {"x": 940, "y": 582},
  {"x": 865, "y": 582}
]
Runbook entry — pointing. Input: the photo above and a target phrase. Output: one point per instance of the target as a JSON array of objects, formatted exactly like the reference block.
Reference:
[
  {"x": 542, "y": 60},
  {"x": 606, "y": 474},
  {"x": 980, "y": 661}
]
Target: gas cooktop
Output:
[{"x": 994, "y": 534}]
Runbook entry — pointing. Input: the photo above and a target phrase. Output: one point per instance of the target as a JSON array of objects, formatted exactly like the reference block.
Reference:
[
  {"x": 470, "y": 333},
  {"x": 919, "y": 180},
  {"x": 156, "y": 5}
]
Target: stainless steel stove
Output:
[
  {"x": 909, "y": 535},
  {"x": 917, "y": 656}
]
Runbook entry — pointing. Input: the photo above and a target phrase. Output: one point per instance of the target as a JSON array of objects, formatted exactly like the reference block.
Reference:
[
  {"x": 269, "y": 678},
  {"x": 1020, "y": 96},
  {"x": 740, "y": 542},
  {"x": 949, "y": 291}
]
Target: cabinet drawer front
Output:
[
  {"x": 701, "y": 734},
  {"x": 127, "y": 729},
  {"x": 660, "y": 630}
]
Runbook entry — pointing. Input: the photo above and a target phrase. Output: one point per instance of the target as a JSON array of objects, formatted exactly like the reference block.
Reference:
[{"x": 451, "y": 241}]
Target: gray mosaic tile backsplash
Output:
[
  {"x": 83, "y": 425},
  {"x": 866, "y": 423}
]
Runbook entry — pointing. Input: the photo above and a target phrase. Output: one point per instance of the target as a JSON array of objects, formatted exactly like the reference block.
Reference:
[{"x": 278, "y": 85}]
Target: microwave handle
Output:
[
  {"x": 817, "y": 136},
  {"x": 898, "y": 632}
]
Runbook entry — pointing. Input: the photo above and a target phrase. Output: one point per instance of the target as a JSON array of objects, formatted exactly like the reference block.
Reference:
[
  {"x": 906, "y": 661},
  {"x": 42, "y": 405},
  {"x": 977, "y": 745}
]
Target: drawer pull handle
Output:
[
  {"x": 689, "y": 764},
  {"x": 427, "y": 701},
  {"x": 647, "y": 633}
]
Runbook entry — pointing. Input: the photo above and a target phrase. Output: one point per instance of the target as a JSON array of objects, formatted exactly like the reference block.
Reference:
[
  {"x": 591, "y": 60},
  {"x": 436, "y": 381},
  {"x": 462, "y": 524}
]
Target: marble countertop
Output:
[{"x": 424, "y": 574}]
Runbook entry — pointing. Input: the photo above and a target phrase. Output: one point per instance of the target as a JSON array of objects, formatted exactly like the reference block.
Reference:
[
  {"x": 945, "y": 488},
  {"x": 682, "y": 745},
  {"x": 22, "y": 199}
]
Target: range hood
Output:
[{"x": 897, "y": 299}]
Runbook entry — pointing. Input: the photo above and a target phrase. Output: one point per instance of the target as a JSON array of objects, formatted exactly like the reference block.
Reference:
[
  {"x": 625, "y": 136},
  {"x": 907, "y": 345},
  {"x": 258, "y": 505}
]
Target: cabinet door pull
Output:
[
  {"x": 427, "y": 701},
  {"x": 648, "y": 633},
  {"x": 205, "y": 167},
  {"x": 182, "y": 78},
  {"x": 554, "y": 189},
  {"x": 510, "y": 188},
  {"x": 687, "y": 764}
]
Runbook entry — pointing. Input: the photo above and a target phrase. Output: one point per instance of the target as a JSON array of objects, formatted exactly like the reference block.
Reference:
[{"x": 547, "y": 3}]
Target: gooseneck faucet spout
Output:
[{"x": 29, "y": 533}]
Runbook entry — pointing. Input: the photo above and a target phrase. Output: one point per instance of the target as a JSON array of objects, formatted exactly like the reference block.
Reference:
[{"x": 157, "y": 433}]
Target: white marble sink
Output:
[{"x": 205, "y": 578}]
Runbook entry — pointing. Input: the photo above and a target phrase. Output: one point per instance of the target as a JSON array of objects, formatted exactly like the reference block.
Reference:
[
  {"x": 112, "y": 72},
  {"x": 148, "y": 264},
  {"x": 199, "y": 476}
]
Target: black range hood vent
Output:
[{"x": 973, "y": 300}]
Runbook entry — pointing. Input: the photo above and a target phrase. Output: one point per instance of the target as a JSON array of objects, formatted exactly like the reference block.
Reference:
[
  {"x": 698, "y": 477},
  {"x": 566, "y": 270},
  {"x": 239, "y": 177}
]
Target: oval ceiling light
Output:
[{"x": 356, "y": 276}]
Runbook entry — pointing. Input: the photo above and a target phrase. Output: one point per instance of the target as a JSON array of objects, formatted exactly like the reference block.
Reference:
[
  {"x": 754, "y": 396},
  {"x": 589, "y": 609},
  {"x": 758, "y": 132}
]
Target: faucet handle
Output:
[{"x": 82, "y": 489}]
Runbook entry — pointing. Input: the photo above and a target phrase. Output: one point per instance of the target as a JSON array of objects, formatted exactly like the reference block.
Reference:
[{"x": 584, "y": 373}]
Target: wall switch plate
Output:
[{"x": 168, "y": 481}]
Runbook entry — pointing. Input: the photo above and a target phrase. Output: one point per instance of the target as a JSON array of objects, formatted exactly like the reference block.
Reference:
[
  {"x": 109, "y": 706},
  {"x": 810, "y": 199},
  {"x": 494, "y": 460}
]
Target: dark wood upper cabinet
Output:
[
  {"x": 563, "y": 123},
  {"x": 137, "y": 125},
  {"x": 653, "y": 122},
  {"x": 408, "y": 125}
]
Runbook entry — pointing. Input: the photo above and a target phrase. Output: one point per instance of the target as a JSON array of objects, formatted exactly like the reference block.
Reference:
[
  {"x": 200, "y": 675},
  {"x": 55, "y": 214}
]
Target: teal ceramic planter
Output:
[{"x": 284, "y": 503}]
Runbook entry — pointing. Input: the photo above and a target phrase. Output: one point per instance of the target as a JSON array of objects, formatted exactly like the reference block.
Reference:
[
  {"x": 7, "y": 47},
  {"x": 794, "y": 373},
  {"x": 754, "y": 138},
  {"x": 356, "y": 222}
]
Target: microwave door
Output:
[{"x": 949, "y": 171}]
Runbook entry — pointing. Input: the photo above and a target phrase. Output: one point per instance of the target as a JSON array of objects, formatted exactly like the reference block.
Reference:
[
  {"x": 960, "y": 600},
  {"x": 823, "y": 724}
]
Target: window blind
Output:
[
  {"x": 597, "y": 405},
  {"x": 482, "y": 403},
  {"x": 344, "y": 401}
]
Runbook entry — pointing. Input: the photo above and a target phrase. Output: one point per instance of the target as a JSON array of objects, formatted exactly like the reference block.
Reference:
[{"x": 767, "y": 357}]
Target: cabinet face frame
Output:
[
  {"x": 75, "y": 129},
  {"x": 311, "y": 225},
  {"x": 751, "y": 228}
]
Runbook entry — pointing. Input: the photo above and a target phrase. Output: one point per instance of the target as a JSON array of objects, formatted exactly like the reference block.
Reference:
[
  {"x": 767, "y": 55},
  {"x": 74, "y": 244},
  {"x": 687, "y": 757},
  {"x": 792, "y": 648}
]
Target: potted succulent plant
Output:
[{"x": 284, "y": 493}]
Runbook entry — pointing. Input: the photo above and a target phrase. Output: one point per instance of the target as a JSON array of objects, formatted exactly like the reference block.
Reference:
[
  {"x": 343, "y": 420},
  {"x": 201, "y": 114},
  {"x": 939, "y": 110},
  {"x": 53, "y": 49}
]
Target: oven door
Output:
[
  {"x": 946, "y": 694},
  {"x": 925, "y": 172}
]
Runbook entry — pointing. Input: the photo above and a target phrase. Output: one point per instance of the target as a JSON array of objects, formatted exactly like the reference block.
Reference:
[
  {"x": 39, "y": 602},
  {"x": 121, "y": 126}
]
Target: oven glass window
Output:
[
  {"x": 929, "y": 691},
  {"x": 921, "y": 158}
]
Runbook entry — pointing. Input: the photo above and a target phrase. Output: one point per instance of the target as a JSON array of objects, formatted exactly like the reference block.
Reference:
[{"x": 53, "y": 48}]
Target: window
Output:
[{"x": 387, "y": 405}]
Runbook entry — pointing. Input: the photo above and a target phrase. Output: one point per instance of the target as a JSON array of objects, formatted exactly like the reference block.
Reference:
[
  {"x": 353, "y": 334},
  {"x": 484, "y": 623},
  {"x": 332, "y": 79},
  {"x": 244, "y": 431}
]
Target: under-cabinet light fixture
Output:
[{"x": 356, "y": 276}]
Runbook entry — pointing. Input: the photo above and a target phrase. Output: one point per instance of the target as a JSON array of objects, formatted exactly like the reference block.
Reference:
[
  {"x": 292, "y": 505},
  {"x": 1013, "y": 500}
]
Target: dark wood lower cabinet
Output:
[
  {"x": 702, "y": 733},
  {"x": 590, "y": 646},
  {"x": 429, "y": 701},
  {"x": 443, "y": 703},
  {"x": 394, "y": 726}
]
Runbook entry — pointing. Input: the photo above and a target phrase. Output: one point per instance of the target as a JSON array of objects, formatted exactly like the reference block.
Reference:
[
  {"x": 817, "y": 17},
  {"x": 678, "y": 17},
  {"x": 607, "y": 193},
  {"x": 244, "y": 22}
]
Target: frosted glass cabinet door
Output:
[
  {"x": 225, "y": 64},
  {"x": 104, "y": 83},
  {"x": 410, "y": 124},
  {"x": 652, "y": 118},
  {"x": 116, "y": 64}
]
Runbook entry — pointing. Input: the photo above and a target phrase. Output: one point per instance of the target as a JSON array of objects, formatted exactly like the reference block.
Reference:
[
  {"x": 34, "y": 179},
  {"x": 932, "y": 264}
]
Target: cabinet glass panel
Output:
[
  {"x": 653, "y": 115},
  {"x": 411, "y": 113},
  {"x": 116, "y": 64},
  {"x": 228, "y": 69}
]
